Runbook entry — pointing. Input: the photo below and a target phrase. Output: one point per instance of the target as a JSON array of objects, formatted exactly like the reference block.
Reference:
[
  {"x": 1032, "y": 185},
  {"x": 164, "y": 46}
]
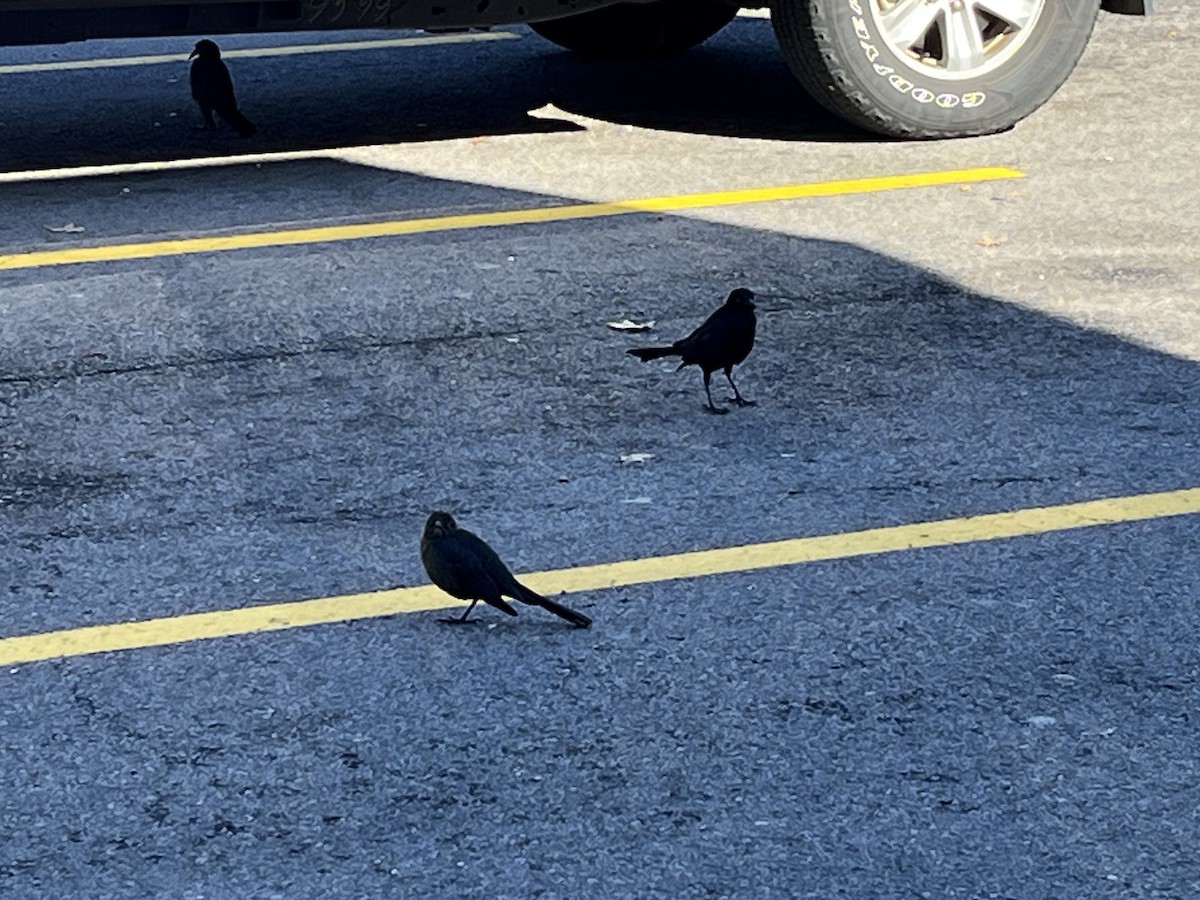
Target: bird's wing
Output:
[
  {"x": 210, "y": 81},
  {"x": 486, "y": 572},
  {"x": 706, "y": 339},
  {"x": 460, "y": 569}
]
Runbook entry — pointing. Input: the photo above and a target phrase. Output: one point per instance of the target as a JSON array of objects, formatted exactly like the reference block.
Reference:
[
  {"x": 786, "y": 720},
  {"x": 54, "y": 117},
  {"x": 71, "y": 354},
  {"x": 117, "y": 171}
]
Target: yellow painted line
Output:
[
  {"x": 626, "y": 573},
  {"x": 396, "y": 227},
  {"x": 289, "y": 50}
]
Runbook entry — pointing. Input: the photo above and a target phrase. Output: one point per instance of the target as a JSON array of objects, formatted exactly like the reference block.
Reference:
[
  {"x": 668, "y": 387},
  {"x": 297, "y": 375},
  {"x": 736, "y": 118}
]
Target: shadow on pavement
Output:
[{"x": 736, "y": 84}]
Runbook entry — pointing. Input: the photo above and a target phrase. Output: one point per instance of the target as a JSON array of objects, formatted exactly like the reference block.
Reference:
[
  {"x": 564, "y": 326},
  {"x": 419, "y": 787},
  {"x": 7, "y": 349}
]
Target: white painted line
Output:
[
  {"x": 203, "y": 162},
  {"x": 291, "y": 50}
]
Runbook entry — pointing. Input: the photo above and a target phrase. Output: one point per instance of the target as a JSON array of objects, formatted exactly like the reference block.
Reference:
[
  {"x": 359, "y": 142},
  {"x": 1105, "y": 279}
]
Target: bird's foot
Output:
[
  {"x": 457, "y": 620},
  {"x": 715, "y": 410},
  {"x": 741, "y": 401}
]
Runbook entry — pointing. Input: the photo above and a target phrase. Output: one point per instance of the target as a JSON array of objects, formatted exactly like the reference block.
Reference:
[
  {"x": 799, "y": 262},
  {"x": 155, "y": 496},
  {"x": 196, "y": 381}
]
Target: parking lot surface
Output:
[{"x": 922, "y": 622}]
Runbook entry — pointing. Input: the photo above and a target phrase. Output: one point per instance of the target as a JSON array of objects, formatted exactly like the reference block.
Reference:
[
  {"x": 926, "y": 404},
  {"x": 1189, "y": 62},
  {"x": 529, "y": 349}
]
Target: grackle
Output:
[
  {"x": 212, "y": 89},
  {"x": 721, "y": 342},
  {"x": 464, "y": 566}
]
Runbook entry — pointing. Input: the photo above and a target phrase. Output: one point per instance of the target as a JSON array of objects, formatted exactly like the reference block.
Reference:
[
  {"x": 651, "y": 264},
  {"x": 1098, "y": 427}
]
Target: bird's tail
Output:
[
  {"x": 243, "y": 126},
  {"x": 578, "y": 619},
  {"x": 645, "y": 354}
]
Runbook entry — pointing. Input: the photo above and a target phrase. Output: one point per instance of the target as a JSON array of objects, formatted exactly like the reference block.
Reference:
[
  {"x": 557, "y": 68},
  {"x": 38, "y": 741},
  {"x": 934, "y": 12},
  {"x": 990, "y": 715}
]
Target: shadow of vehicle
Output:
[{"x": 735, "y": 85}]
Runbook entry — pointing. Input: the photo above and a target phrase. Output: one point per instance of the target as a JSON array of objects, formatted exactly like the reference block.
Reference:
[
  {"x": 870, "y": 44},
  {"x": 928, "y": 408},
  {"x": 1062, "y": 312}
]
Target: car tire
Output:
[
  {"x": 636, "y": 30},
  {"x": 876, "y": 64}
]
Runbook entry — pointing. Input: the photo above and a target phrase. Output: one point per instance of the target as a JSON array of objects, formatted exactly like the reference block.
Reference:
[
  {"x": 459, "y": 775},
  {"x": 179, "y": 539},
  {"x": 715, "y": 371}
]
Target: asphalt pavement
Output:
[{"x": 196, "y": 432}]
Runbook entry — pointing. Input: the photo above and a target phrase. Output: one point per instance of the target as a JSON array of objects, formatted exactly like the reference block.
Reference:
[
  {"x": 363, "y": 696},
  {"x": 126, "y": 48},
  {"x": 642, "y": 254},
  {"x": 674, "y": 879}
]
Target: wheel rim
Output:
[{"x": 955, "y": 39}]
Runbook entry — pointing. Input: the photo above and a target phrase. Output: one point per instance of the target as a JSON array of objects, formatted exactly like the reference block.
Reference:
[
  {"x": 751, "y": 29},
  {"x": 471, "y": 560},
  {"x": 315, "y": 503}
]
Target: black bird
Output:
[
  {"x": 464, "y": 566},
  {"x": 212, "y": 89},
  {"x": 721, "y": 342}
]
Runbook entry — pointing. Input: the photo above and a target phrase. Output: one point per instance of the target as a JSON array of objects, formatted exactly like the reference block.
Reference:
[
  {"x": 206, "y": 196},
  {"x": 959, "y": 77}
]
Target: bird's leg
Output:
[
  {"x": 209, "y": 123},
  {"x": 711, "y": 408},
  {"x": 737, "y": 395},
  {"x": 464, "y": 619}
]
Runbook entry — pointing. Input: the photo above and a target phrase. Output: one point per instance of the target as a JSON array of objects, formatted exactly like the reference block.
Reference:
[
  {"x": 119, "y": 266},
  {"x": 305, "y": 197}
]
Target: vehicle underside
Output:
[
  {"x": 57, "y": 21},
  {"x": 900, "y": 68}
]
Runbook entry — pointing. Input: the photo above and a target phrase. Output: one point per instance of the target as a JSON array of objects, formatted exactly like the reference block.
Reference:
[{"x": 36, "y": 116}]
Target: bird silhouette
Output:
[
  {"x": 212, "y": 89},
  {"x": 464, "y": 566},
  {"x": 722, "y": 341}
]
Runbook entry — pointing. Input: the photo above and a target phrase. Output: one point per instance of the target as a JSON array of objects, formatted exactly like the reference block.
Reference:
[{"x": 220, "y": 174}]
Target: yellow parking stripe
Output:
[
  {"x": 393, "y": 228},
  {"x": 113, "y": 62},
  {"x": 626, "y": 573}
]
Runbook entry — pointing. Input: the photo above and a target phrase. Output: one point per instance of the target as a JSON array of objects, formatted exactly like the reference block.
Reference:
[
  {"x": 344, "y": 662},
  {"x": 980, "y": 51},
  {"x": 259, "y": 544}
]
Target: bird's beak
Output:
[{"x": 195, "y": 50}]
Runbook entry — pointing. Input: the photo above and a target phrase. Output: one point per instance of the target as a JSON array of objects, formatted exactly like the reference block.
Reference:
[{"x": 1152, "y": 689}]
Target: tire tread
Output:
[{"x": 802, "y": 28}]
